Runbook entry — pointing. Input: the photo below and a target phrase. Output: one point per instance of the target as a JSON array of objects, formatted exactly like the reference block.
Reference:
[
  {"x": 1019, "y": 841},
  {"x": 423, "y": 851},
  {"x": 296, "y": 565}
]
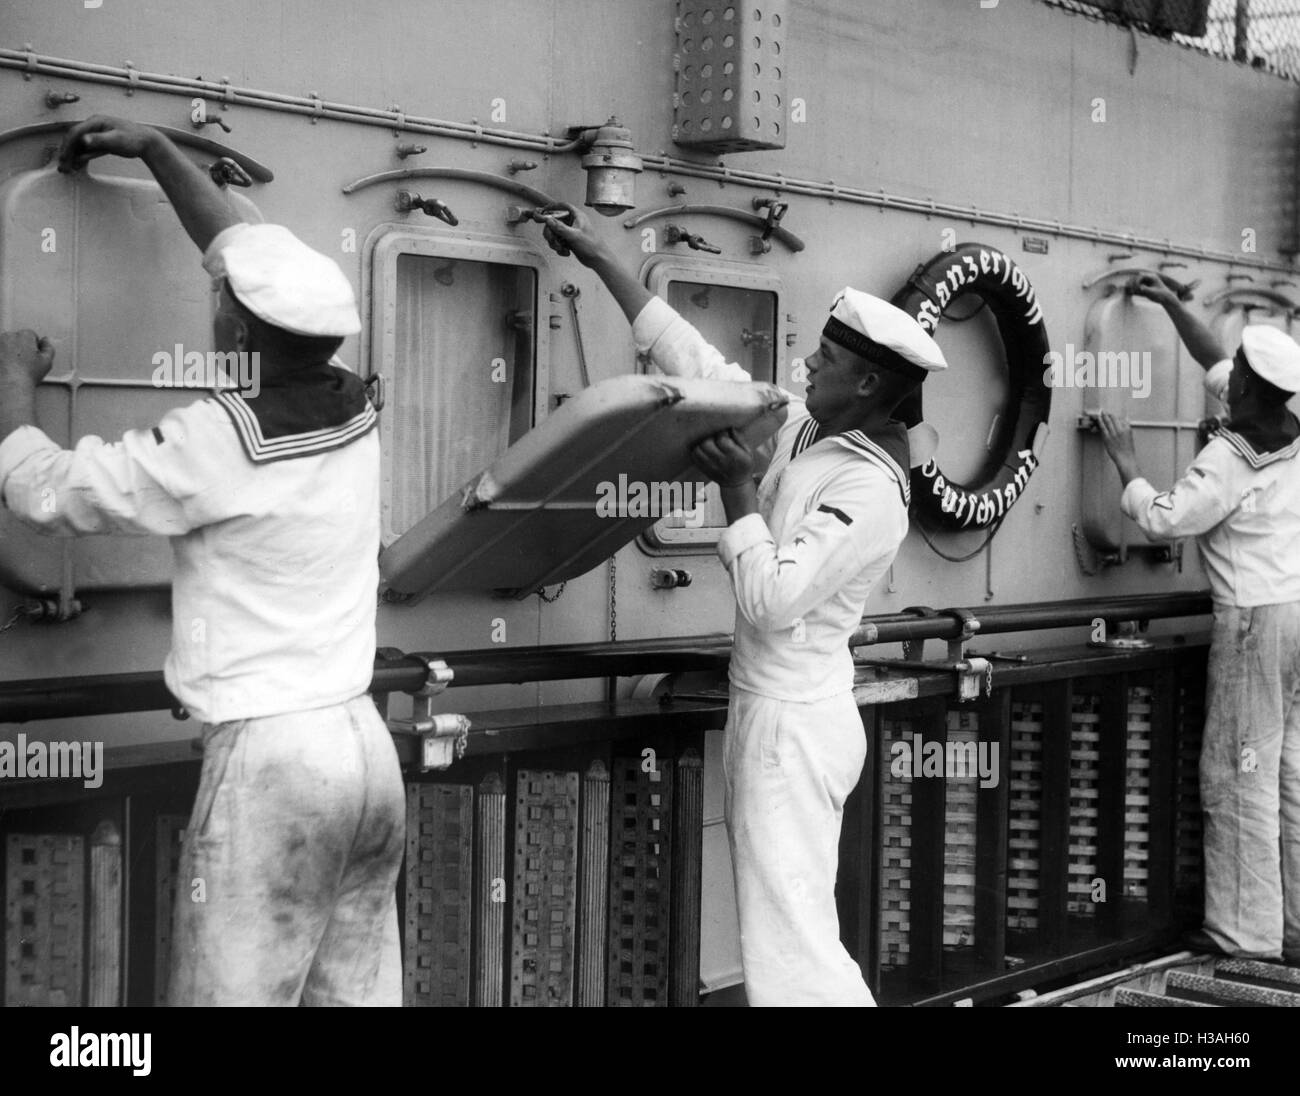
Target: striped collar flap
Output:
[
  {"x": 886, "y": 448},
  {"x": 308, "y": 412},
  {"x": 1253, "y": 456}
]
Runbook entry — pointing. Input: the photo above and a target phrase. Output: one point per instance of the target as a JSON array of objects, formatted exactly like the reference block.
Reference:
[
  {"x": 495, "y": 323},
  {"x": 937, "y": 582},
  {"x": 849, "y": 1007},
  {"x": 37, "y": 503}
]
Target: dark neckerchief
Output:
[
  {"x": 1263, "y": 437},
  {"x": 311, "y": 410},
  {"x": 885, "y": 447}
]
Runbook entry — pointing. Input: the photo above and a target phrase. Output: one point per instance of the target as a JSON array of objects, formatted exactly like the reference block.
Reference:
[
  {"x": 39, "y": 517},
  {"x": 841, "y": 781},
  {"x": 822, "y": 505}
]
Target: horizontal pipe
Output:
[
  {"x": 33, "y": 64},
  {"x": 1028, "y": 617},
  {"x": 64, "y": 697}
]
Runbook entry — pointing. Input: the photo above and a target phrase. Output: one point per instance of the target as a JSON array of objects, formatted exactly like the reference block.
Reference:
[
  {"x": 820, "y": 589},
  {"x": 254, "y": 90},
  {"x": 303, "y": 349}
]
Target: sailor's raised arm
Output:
[
  {"x": 1199, "y": 339},
  {"x": 202, "y": 207},
  {"x": 660, "y": 334}
]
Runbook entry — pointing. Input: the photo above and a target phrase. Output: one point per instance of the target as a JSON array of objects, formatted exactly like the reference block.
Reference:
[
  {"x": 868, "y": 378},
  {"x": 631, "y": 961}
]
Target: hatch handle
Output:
[
  {"x": 226, "y": 172},
  {"x": 407, "y": 201},
  {"x": 1236, "y": 292},
  {"x": 1183, "y": 290},
  {"x": 260, "y": 172},
  {"x": 675, "y": 234}
]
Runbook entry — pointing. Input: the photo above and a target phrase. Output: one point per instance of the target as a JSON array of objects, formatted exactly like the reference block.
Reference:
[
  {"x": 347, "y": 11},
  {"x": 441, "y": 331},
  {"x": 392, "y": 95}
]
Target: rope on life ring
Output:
[{"x": 1022, "y": 428}]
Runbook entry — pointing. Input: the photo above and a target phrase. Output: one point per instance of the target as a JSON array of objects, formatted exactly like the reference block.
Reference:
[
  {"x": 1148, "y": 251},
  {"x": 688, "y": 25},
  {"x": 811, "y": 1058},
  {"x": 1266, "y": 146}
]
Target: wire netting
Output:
[{"x": 1262, "y": 33}]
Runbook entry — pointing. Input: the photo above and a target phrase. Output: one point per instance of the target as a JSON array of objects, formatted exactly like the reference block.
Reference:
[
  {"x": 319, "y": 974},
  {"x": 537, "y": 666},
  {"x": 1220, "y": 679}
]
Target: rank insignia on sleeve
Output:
[{"x": 823, "y": 508}]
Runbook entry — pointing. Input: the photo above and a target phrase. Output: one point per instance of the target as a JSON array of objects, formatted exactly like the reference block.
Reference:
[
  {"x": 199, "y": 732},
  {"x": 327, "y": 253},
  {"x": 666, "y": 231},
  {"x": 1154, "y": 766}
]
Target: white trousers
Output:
[
  {"x": 789, "y": 768},
  {"x": 1250, "y": 781},
  {"x": 287, "y": 888}
]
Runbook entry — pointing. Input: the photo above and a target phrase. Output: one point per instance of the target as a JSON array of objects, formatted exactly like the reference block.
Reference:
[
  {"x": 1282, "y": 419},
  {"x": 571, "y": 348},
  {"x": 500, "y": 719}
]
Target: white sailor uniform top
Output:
[
  {"x": 1242, "y": 503},
  {"x": 272, "y": 506},
  {"x": 832, "y": 515}
]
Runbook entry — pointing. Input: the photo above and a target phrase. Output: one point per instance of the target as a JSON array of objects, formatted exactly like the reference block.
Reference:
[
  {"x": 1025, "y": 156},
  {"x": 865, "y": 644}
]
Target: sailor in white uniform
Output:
[
  {"x": 803, "y": 553},
  {"x": 1240, "y": 498},
  {"x": 287, "y": 881}
]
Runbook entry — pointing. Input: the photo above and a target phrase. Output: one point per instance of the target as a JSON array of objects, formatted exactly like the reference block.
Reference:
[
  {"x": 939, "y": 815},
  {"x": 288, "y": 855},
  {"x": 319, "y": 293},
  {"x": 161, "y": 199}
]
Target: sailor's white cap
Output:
[
  {"x": 1272, "y": 354},
  {"x": 863, "y": 323},
  {"x": 281, "y": 280}
]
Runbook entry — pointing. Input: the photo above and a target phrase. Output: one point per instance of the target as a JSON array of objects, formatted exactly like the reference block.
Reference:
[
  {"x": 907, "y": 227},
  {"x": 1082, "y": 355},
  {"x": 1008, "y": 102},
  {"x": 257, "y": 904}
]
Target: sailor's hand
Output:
[
  {"x": 1158, "y": 288},
  {"x": 1117, "y": 437},
  {"x": 569, "y": 231},
  {"x": 725, "y": 458},
  {"x": 25, "y": 359},
  {"x": 102, "y": 136}
]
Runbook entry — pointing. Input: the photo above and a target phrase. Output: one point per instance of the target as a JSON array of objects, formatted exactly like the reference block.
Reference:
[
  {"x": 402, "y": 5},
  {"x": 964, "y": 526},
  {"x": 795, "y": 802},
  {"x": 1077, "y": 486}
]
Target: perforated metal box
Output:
[{"x": 730, "y": 61}]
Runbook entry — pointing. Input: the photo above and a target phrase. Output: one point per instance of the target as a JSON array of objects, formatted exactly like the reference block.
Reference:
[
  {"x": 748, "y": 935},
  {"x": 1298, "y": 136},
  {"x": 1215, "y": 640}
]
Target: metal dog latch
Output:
[
  {"x": 443, "y": 737},
  {"x": 971, "y": 674}
]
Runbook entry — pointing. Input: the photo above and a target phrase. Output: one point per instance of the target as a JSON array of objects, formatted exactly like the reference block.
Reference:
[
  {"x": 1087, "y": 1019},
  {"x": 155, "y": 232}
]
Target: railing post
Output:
[
  {"x": 929, "y": 800},
  {"x": 1162, "y": 836},
  {"x": 687, "y": 879},
  {"x": 1054, "y": 832},
  {"x": 1112, "y": 748},
  {"x": 992, "y": 816},
  {"x": 1241, "y": 31}
]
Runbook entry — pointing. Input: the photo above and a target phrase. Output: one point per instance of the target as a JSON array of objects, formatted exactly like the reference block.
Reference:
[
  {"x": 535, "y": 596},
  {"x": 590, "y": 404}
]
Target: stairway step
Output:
[
  {"x": 1273, "y": 975},
  {"x": 1221, "y": 991},
  {"x": 1136, "y": 998}
]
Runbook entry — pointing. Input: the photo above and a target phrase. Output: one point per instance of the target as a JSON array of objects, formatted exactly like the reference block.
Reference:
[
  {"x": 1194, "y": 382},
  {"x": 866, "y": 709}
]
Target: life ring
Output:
[{"x": 1022, "y": 427}]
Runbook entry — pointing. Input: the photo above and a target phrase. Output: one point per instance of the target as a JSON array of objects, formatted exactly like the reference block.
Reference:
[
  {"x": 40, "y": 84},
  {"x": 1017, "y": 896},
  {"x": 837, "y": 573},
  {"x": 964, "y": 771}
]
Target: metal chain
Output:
[
  {"x": 614, "y": 598},
  {"x": 541, "y": 592},
  {"x": 31, "y": 612}
]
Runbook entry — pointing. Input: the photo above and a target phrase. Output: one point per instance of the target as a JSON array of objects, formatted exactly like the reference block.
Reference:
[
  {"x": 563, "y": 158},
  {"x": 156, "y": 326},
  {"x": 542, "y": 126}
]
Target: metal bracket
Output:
[
  {"x": 969, "y": 626},
  {"x": 971, "y": 672},
  {"x": 440, "y": 676},
  {"x": 443, "y": 737}
]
